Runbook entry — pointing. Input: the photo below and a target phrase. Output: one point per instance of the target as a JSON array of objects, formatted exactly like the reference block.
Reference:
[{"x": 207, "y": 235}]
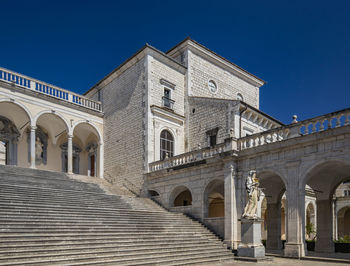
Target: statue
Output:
[
  {"x": 38, "y": 149},
  {"x": 253, "y": 190}
]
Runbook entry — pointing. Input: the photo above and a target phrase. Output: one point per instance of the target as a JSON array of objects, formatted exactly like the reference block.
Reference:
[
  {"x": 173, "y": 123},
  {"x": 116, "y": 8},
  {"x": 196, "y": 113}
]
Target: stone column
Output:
[
  {"x": 324, "y": 242},
  {"x": 70, "y": 155},
  {"x": 101, "y": 160},
  {"x": 295, "y": 218},
  {"x": 32, "y": 147},
  {"x": 273, "y": 241},
  {"x": 231, "y": 219}
]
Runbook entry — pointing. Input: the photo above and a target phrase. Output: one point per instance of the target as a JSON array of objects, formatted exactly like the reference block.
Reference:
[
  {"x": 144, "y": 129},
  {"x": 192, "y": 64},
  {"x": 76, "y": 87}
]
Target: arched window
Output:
[
  {"x": 166, "y": 144},
  {"x": 239, "y": 97}
]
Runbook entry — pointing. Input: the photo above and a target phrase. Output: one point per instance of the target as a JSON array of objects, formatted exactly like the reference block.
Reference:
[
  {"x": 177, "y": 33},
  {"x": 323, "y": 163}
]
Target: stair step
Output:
[{"x": 48, "y": 218}]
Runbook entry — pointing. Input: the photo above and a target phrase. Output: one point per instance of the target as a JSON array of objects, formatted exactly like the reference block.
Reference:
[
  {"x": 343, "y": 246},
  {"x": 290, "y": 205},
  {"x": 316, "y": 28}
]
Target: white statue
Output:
[
  {"x": 38, "y": 149},
  {"x": 253, "y": 191}
]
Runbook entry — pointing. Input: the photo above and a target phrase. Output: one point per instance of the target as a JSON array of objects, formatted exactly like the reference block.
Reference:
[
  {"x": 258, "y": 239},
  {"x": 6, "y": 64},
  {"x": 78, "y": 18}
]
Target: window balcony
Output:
[{"x": 168, "y": 103}]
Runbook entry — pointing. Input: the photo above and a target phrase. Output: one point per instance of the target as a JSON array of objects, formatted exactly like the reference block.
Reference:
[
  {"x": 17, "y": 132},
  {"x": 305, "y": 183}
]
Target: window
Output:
[
  {"x": 212, "y": 136},
  {"x": 346, "y": 193},
  {"x": 167, "y": 101},
  {"x": 212, "y": 140},
  {"x": 166, "y": 144},
  {"x": 239, "y": 97},
  {"x": 212, "y": 86}
]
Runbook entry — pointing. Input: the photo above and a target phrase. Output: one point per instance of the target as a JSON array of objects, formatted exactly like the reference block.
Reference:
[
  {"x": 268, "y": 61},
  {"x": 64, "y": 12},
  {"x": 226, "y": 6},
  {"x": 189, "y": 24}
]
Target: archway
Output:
[
  {"x": 214, "y": 199},
  {"x": 91, "y": 153},
  {"x": 13, "y": 119},
  {"x": 274, "y": 188},
  {"x": 51, "y": 131},
  {"x": 324, "y": 178},
  {"x": 181, "y": 196}
]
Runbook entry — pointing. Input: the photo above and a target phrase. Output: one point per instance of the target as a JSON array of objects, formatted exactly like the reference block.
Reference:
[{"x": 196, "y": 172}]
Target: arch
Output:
[
  {"x": 185, "y": 198},
  {"x": 213, "y": 199},
  {"x": 24, "y": 108},
  {"x": 153, "y": 193},
  {"x": 167, "y": 144},
  {"x": 97, "y": 131},
  {"x": 53, "y": 112},
  {"x": 325, "y": 176},
  {"x": 274, "y": 183}
]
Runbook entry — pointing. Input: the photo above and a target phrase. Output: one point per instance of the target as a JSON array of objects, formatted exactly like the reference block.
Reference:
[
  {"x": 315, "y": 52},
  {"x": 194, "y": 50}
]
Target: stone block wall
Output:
[
  {"x": 124, "y": 127},
  {"x": 228, "y": 84},
  {"x": 205, "y": 115},
  {"x": 159, "y": 71}
]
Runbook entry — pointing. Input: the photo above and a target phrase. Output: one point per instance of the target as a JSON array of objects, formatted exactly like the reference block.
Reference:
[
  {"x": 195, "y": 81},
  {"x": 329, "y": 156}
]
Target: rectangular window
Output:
[
  {"x": 167, "y": 101},
  {"x": 346, "y": 193},
  {"x": 212, "y": 136},
  {"x": 212, "y": 140}
]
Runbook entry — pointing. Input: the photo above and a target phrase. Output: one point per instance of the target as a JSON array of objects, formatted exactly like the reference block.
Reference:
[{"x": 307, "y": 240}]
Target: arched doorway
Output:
[
  {"x": 14, "y": 117},
  {"x": 9, "y": 136},
  {"x": 324, "y": 178},
  {"x": 214, "y": 199},
  {"x": 274, "y": 188},
  {"x": 181, "y": 196},
  {"x": 91, "y": 151},
  {"x": 51, "y": 131}
]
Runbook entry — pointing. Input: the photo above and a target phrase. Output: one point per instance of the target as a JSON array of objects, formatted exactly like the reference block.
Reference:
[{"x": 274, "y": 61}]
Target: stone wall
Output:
[
  {"x": 162, "y": 76},
  {"x": 124, "y": 128},
  {"x": 228, "y": 84},
  {"x": 207, "y": 114}
]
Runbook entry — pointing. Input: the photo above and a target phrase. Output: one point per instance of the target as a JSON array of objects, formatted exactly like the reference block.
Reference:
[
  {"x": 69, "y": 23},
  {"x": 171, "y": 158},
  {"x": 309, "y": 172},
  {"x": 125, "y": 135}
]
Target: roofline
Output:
[
  {"x": 263, "y": 113},
  {"x": 129, "y": 59},
  {"x": 214, "y": 53},
  {"x": 242, "y": 103}
]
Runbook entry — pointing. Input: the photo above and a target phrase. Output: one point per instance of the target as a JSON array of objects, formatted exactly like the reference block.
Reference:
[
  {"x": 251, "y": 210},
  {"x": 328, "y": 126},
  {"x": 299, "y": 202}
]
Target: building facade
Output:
[{"x": 184, "y": 127}]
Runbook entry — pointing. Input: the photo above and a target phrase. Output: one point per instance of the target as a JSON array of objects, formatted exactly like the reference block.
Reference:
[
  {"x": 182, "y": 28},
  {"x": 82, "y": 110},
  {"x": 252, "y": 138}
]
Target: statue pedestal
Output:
[{"x": 251, "y": 246}]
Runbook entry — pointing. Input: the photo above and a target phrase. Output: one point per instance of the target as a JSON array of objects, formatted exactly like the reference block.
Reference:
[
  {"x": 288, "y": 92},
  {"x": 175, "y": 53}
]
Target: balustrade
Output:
[
  {"x": 186, "y": 158},
  {"x": 47, "y": 89},
  {"x": 310, "y": 126}
]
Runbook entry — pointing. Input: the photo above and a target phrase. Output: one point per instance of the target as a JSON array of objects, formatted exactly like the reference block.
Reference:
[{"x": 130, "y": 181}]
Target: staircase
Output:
[{"x": 47, "y": 218}]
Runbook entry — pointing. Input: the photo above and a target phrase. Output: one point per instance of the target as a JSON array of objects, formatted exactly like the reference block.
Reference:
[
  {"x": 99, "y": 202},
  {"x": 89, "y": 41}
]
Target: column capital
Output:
[
  {"x": 33, "y": 128},
  {"x": 69, "y": 136}
]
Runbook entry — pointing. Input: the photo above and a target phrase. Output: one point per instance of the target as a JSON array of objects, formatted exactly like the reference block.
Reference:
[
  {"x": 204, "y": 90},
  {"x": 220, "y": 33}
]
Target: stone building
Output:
[{"x": 184, "y": 127}]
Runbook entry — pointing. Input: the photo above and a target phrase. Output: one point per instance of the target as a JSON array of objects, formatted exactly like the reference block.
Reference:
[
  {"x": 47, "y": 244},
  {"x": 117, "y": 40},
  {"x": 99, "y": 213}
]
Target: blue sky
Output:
[{"x": 301, "y": 48}]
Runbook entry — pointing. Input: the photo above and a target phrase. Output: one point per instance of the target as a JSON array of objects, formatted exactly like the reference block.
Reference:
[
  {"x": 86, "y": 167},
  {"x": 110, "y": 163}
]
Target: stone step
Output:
[
  {"x": 92, "y": 257},
  {"x": 100, "y": 226},
  {"x": 28, "y": 171},
  {"x": 79, "y": 220},
  {"x": 115, "y": 250},
  {"x": 76, "y": 216},
  {"x": 107, "y": 233},
  {"x": 93, "y": 246},
  {"x": 44, "y": 242},
  {"x": 53, "y": 184},
  {"x": 51, "y": 219}
]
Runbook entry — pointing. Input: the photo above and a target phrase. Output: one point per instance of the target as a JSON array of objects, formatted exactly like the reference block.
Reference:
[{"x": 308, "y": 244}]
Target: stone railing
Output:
[
  {"x": 47, "y": 89},
  {"x": 188, "y": 157},
  {"x": 306, "y": 127}
]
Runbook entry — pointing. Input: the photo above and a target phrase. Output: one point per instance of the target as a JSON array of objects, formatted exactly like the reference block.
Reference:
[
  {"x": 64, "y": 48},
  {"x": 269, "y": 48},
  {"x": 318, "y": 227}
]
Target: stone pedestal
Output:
[{"x": 251, "y": 246}]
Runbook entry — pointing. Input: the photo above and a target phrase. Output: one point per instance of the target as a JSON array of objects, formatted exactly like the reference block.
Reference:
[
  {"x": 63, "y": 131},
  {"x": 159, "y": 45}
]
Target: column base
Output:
[{"x": 294, "y": 250}]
